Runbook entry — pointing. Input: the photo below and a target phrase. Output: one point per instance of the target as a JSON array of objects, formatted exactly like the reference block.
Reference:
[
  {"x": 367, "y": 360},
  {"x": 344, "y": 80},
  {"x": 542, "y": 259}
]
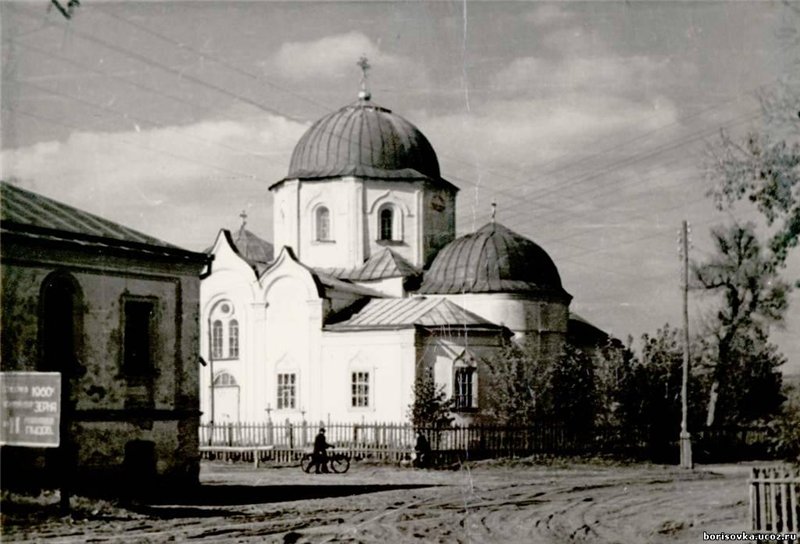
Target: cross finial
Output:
[
  {"x": 363, "y": 63},
  {"x": 243, "y": 215},
  {"x": 494, "y": 210}
]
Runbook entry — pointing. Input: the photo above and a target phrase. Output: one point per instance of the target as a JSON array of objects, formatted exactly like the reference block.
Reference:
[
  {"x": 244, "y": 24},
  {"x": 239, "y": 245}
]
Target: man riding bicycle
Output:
[{"x": 320, "y": 454}]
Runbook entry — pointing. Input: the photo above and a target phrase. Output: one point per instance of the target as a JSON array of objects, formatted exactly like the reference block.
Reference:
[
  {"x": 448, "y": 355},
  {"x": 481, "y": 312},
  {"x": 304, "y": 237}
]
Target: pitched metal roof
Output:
[
  {"x": 381, "y": 265},
  {"x": 28, "y": 214},
  {"x": 494, "y": 259},
  {"x": 330, "y": 282},
  {"x": 400, "y": 313}
]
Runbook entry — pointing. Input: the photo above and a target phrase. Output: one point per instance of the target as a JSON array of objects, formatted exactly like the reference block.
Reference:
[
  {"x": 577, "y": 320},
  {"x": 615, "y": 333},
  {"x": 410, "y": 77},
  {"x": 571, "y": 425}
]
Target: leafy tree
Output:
[
  {"x": 764, "y": 166},
  {"x": 766, "y": 171},
  {"x": 744, "y": 377},
  {"x": 525, "y": 387},
  {"x": 516, "y": 383},
  {"x": 656, "y": 383},
  {"x": 614, "y": 365},
  {"x": 431, "y": 406},
  {"x": 572, "y": 388},
  {"x": 784, "y": 430}
]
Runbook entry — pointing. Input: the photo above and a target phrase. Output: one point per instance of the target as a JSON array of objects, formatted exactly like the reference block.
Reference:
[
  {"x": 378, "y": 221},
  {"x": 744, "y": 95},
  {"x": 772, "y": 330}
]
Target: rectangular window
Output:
[
  {"x": 360, "y": 390},
  {"x": 463, "y": 389},
  {"x": 137, "y": 346},
  {"x": 287, "y": 391}
]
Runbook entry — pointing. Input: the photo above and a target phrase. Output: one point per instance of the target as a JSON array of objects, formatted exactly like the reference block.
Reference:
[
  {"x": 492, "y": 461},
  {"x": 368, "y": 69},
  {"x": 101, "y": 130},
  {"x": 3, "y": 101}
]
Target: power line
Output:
[
  {"x": 201, "y": 82},
  {"x": 204, "y": 55},
  {"x": 179, "y": 99},
  {"x": 180, "y": 75},
  {"x": 190, "y": 160},
  {"x": 672, "y": 146},
  {"x": 129, "y": 117},
  {"x": 213, "y": 58}
]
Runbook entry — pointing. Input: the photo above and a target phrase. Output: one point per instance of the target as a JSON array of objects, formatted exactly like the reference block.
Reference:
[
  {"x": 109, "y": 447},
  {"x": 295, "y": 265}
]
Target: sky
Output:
[{"x": 588, "y": 123}]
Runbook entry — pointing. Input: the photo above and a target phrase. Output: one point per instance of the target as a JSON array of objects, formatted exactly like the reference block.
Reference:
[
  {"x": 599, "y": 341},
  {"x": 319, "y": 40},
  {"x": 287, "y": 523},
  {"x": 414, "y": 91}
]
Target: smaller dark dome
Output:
[{"x": 493, "y": 259}]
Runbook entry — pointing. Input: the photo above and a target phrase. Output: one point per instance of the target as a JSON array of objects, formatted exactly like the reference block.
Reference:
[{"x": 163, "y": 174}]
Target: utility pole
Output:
[{"x": 685, "y": 437}]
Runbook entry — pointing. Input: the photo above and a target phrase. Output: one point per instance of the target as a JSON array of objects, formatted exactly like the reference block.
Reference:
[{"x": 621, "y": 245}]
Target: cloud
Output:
[
  {"x": 597, "y": 74},
  {"x": 546, "y": 129},
  {"x": 180, "y": 184},
  {"x": 334, "y": 57},
  {"x": 547, "y": 14}
]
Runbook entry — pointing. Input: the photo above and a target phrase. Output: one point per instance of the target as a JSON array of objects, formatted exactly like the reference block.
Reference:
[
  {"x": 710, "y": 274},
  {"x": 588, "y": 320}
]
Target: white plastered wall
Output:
[
  {"x": 231, "y": 280},
  {"x": 390, "y": 359}
]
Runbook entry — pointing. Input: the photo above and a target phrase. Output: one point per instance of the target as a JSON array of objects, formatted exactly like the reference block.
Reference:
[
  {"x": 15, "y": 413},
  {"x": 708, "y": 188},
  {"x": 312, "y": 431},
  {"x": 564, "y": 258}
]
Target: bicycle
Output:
[{"x": 336, "y": 462}]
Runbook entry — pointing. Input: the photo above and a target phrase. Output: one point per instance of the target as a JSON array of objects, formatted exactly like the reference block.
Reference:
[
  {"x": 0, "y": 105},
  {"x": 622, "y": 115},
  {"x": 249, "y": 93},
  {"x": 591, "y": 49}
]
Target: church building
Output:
[{"x": 369, "y": 286}]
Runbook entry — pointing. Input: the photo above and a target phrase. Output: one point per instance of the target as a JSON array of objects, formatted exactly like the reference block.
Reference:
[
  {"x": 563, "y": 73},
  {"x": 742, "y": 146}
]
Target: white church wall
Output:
[
  {"x": 519, "y": 313},
  {"x": 286, "y": 215},
  {"x": 445, "y": 354},
  {"x": 404, "y": 199},
  {"x": 233, "y": 283},
  {"x": 341, "y": 247},
  {"x": 389, "y": 357},
  {"x": 291, "y": 338}
]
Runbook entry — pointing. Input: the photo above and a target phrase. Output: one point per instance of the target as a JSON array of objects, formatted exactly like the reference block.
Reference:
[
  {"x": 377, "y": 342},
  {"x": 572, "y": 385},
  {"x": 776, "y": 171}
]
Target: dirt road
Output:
[{"x": 484, "y": 502}]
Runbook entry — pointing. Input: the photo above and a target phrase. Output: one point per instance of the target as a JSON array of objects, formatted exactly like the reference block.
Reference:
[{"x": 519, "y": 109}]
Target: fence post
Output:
[{"x": 290, "y": 433}]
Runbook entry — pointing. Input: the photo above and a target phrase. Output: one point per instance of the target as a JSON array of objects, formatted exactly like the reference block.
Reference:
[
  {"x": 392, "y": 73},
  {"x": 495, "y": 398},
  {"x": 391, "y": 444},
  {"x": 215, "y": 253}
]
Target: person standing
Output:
[{"x": 320, "y": 453}]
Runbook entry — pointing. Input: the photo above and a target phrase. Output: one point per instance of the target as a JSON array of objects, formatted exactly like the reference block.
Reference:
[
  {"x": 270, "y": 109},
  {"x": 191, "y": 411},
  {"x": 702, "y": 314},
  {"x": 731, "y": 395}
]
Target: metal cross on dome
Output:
[
  {"x": 243, "y": 215},
  {"x": 363, "y": 63}
]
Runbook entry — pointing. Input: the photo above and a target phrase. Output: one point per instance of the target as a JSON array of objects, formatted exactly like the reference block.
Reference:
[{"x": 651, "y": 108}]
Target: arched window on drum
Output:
[
  {"x": 390, "y": 224},
  {"x": 322, "y": 224}
]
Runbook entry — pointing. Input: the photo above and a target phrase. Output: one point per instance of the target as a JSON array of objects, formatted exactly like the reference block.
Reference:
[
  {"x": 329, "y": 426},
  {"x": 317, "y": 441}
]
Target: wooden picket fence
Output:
[
  {"x": 774, "y": 494},
  {"x": 286, "y": 442}
]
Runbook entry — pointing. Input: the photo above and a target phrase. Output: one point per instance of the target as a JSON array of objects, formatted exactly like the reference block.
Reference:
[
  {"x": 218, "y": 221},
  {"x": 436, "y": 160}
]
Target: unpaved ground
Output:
[{"x": 484, "y": 502}]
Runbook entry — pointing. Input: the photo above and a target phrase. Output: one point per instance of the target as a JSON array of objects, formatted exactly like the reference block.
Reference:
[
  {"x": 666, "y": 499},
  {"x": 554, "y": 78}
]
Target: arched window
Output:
[
  {"x": 387, "y": 222},
  {"x": 463, "y": 390},
  {"x": 216, "y": 339},
  {"x": 225, "y": 333},
  {"x": 323, "y": 224},
  {"x": 224, "y": 379},
  {"x": 233, "y": 339},
  {"x": 465, "y": 382}
]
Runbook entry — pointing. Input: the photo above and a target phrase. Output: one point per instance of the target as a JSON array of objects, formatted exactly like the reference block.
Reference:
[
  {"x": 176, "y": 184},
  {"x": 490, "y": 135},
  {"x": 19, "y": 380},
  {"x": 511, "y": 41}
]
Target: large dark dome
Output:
[
  {"x": 494, "y": 259},
  {"x": 364, "y": 140}
]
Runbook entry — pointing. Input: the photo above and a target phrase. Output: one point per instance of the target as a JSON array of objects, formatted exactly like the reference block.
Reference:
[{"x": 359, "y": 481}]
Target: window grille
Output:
[
  {"x": 287, "y": 391},
  {"x": 360, "y": 390}
]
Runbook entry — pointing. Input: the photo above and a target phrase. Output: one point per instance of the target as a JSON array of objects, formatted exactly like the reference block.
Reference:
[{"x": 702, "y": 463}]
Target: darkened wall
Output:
[{"x": 118, "y": 425}]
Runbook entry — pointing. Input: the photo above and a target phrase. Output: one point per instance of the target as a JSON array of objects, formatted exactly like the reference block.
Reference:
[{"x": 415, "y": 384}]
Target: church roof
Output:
[
  {"x": 493, "y": 259},
  {"x": 399, "y": 313},
  {"x": 33, "y": 216},
  {"x": 367, "y": 141},
  {"x": 330, "y": 282},
  {"x": 381, "y": 265},
  {"x": 253, "y": 249}
]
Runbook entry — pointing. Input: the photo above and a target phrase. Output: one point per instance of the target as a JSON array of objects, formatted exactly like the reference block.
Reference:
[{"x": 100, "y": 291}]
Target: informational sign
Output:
[{"x": 30, "y": 409}]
